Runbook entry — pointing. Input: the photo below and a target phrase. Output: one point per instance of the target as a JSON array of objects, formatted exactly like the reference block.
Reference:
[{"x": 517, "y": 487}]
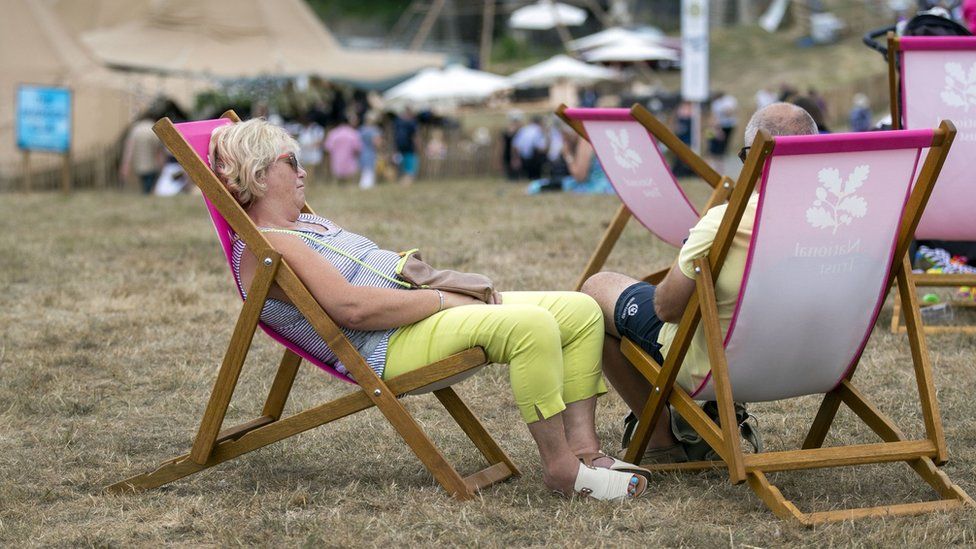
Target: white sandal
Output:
[
  {"x": 616, "y": 465},
  {"x": 606, "y": 485}
]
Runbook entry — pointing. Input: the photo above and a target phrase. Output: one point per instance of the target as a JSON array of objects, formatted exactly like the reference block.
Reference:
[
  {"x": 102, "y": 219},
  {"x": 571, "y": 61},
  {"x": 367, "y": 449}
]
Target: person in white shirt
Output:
[{"x": 310, "y": 137}]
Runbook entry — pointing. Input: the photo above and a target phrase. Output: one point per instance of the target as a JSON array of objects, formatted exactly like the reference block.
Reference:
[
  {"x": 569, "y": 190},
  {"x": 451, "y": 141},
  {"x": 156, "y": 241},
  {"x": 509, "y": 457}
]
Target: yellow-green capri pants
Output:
[{"x": 551, "y": 341}]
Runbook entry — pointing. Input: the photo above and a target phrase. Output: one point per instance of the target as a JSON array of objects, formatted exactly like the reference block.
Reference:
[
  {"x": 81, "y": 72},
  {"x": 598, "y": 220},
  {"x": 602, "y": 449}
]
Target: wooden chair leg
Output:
[
  {"x": 889, "y": 432},
  {"x": 182, "y": 466},
  {"x": 822, "y": 422},
  {"x": 264, "y": 431},
  {"x": 421, "y": 445},
  {"x": 896, "y": 314},
  {"x": 474, "y": 429},
  {"x": 951, "y": 497},
  {"x": 682, "y": 402},
  {"x": 920, "y": 362},
  {"x": 773, "y": 498},
  {"x": 720, "y": 374},
  {"x": 610, "y": 237},
  {"x": 230, "y": 369},
  {"x": 281, "y": 387}
]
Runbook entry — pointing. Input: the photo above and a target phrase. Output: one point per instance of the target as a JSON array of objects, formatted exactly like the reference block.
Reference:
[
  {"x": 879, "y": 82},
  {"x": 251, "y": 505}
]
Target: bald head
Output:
[{"x": 780, "y": 119}]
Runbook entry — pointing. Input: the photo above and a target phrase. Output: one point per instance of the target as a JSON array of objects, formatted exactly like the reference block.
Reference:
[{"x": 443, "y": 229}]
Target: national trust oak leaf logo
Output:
[
  {"x": 960, "y": 86},
  {"x": 625, "y": 157},
  {"x": 836, "y": 203}
]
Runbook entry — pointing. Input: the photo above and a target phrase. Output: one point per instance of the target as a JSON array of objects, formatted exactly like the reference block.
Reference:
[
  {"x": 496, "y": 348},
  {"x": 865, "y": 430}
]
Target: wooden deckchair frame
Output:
[
  {"x": 920, "y": 279},
  {"x": 921, "y": 455},
  {"x": 213, "y": 445},
  {"x": 721, "y": 187}
]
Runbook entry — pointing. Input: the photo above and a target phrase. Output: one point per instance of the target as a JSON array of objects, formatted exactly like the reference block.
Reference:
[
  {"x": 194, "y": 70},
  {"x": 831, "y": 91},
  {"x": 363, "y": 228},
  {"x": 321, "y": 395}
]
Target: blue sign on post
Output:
[{"x": 43, "y": 118}]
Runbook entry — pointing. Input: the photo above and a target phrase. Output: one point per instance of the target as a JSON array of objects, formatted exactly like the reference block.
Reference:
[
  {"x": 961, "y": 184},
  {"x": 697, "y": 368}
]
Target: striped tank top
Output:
[{"x": 288, "y": 321}]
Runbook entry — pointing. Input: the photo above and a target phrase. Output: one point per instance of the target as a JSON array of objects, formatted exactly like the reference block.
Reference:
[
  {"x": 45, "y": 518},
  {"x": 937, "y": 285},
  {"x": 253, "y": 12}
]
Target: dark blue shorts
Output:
[{"x": 635, "y": 319}]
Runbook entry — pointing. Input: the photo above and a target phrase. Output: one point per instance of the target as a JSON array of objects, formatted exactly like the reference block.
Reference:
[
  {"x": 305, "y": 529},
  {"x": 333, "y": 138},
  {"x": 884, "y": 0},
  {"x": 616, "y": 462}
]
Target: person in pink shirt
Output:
[{"x": 343, "y": 145}]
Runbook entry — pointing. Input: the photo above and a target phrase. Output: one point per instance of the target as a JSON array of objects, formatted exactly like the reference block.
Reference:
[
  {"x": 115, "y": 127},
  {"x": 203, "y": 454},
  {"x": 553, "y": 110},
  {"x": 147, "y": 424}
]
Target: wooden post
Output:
[
  {"x": 696, "y": 127},
  {"x": 66, "y": 173},
  {"x": 426, "y": 25},
  {"x": 26, "y": 183},
  {"x": 487, "y": 30}
]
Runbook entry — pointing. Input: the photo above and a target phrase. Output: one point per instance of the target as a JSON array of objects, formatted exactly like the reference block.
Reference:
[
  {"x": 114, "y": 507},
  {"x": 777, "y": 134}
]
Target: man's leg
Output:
[{"x": 607, "y": 288}]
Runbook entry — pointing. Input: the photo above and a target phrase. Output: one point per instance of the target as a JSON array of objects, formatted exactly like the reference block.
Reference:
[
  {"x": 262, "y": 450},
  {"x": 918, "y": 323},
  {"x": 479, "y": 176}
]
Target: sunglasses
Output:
[
  {"x": 743, "y": 153},
  {"x": 291, "y": 160}
]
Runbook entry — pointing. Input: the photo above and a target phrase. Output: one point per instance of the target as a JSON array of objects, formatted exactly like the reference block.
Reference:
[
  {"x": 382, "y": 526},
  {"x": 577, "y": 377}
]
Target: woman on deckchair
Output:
[{"x": 552, "y": 341}]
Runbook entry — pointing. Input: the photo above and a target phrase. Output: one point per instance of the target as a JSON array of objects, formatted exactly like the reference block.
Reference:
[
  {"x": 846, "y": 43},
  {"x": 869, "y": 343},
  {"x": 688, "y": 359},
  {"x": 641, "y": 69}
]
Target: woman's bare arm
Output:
[
  {"x": 350, "y": 306},
  {"x": 579, "y": 166}
]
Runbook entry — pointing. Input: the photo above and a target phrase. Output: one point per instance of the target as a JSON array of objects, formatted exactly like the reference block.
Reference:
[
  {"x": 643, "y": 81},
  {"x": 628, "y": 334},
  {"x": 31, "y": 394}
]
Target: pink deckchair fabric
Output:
[
  {"x": 632, "y": 160},
  {"x": 829, "y": 212},
  {"x": 938, "y": 78},
  {"x": 197, "y": 134}
]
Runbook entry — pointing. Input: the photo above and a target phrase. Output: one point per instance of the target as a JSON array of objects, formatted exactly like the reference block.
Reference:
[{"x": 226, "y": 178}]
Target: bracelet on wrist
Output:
[{"x": 440, "y": 297}]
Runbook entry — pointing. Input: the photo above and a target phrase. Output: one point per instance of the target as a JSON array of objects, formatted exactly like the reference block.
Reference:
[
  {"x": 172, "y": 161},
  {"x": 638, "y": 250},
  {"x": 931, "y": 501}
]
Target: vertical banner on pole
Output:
[{"x": 694, "y": 61}]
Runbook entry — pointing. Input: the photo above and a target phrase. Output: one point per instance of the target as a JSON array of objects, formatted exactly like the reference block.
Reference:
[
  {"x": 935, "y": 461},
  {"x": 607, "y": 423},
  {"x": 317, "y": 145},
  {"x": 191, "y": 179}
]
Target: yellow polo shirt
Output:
[{"x": 696, "y": 366}]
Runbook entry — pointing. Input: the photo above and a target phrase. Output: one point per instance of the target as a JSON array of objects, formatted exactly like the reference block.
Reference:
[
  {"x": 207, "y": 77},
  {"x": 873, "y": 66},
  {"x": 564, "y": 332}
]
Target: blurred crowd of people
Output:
[
  {"x": 348, "y": 139},
  {"x": 344, "y": 143},
  {"x": 354, "y": 146},
  {"x": 550, "y": 155}
]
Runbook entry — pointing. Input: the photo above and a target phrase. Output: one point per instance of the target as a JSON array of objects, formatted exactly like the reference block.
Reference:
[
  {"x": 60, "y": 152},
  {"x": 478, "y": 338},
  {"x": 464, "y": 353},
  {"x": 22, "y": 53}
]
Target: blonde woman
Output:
[{"x": 552, "y": 341}]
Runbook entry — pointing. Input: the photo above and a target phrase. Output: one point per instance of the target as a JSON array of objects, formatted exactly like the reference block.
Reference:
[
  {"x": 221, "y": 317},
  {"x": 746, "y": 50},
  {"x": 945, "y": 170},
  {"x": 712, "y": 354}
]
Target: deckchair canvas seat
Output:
[
  {"x": 834, "y": 218},
  {"x": 628, "y": 144},
  {"x": 189, "y": 144},
  {"x": 936, "y": 83}
]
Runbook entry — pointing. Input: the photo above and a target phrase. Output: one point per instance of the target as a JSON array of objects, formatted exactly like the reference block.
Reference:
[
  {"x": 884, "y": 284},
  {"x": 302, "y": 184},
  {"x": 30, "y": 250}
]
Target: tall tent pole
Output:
[
  {"x": 427, "y": 25},
  {"x": 487, "y": 31}
]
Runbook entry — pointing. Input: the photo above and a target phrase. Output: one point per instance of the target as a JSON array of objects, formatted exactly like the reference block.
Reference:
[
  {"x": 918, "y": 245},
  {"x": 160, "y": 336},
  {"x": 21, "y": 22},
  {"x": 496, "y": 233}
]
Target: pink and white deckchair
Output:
[
  {"x": 835, "y": 217},
  {"x": 628, "y": 144},
  {"x": 938, "y": 80},
  {"x": 197, "y": 134},
  {"x": 189, "y": 144}
]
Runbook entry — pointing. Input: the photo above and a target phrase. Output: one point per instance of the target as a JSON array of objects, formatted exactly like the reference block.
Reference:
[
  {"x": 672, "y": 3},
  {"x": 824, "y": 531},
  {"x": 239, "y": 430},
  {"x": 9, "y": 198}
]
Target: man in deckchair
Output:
[
  {"x": 551, "y": 340},
  {"x": 649, "y": 315}
]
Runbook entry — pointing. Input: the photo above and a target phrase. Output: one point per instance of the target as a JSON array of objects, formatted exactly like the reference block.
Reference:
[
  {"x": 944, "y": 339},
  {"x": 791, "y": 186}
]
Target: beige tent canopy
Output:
[
  {"x": 36, "y": 47},
  {"x": 235, "y": 39}
]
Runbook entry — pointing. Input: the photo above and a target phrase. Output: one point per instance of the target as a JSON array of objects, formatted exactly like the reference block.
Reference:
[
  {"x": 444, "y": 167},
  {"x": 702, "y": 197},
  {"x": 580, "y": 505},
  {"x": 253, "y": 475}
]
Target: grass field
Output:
[{"x": 115, "y": 311}]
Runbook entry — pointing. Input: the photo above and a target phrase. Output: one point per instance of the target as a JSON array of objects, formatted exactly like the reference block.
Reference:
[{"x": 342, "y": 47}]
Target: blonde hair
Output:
[{"x": 240, "y": 153}]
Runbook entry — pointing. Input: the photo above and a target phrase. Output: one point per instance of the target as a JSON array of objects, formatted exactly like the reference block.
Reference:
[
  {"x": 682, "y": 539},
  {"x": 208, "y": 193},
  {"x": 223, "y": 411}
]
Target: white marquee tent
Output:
[
  {"x": 614, "y": 35},
  {"x": 630, "y": 52},
  {"x": 454, "y": 85},
  {"x": 558, "y": 68}
]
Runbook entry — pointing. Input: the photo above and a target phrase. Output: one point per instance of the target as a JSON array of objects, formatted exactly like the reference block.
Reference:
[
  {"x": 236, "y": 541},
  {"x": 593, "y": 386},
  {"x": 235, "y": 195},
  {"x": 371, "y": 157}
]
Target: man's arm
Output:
[
  {"x": 674, "y": 292},
  {"x": 672, "y": 295}
]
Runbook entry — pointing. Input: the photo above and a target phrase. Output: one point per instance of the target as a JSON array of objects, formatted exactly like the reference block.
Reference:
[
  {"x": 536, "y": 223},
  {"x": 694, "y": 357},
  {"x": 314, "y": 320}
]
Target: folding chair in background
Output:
[
  {"x": 937, "y": 75},
  {"x": 626, "y": 143},
  {"x": 189, "y": 143},
  {"x": 835, "y": 217}
]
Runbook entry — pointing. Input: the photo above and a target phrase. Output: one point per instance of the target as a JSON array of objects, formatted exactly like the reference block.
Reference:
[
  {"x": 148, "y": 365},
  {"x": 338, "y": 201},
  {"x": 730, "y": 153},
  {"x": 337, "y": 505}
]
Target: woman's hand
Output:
[{"x": 452, "y": 299}]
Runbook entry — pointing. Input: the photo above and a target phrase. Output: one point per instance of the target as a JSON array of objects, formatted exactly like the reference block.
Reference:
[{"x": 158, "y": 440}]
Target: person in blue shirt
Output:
[{"x": 406, "y": 139}]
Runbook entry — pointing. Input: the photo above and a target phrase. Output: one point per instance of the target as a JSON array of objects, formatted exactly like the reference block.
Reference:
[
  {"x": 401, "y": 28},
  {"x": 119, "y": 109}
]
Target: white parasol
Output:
[
  {"x": 455, "y": 84},
  {"x": 560, "y": 67},
  {"x": 546, "y": 14}
]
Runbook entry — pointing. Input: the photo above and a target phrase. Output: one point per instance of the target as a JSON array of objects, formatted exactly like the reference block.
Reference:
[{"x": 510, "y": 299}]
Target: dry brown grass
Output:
[{"x": 115, "y": 312}]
